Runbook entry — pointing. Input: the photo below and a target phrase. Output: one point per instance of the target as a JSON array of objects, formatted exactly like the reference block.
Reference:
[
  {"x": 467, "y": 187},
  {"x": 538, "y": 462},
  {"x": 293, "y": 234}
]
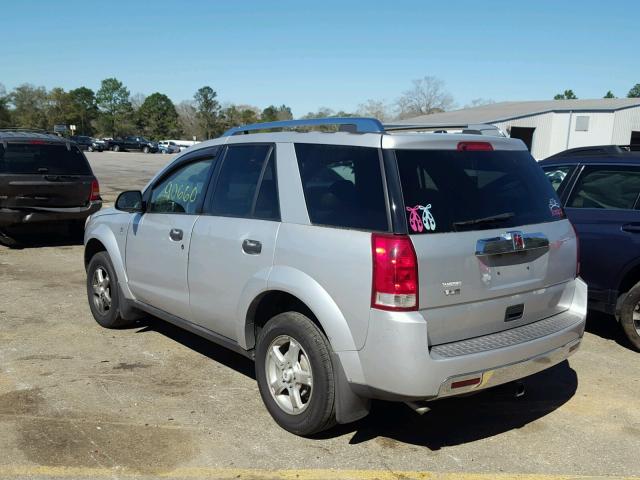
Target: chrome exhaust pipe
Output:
[{"x": 419, "y": 407}]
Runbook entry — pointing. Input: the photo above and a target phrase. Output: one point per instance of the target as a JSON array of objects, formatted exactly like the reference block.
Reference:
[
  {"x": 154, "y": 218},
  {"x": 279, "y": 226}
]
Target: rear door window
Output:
[
  {"x": 448, "y": 190},
  {"x": 343, "y": 186},
  {"x": 607, "y": 188},
  {"x": 42, "y": 158},
  {"x": 558, "y": 175}
]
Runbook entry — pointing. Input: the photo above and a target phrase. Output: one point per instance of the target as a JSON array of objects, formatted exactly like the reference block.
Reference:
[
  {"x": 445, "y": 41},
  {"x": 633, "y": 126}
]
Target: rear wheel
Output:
[
  {"x": 295, "y": 374},
  {"x": 630, "y": 316},
  {"x": 103, "y": 293},
  {"x": 7, "y": 240}
]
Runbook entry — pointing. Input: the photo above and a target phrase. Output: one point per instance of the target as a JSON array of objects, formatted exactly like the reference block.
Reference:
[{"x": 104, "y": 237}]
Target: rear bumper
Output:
[
  {"x": 15, "y": 217},
  {"x": 397, "y": 364}
]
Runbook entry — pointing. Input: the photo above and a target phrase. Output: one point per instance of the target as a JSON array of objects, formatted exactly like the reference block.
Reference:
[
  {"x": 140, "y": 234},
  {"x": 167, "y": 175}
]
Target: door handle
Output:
[
  {"x": 252, "y": 247},
  {"x": 175, "y": 234},
  {"x": 631, "y": 227}
]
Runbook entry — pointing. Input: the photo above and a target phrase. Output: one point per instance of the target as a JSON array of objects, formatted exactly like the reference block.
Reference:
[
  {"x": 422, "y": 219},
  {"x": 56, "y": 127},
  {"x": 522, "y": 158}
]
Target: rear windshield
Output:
[
  {"x": 449, "y": 191},
  {"x": 52, "y": 159}
]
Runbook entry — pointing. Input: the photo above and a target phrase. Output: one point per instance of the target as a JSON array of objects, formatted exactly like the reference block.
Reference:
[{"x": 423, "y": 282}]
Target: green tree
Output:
[
  {"x": 208, "y": 112},
  {"x": 236, "y": 115},
  {"x": 84, "y": 108},
  {"x": 609, "y": 94},
  {"x": 634, "y": 92},
  {"x": 116, "y": 112},
  {"x": 5, "y": 113},
  {"x": 566, "y": 95},
  {"x": 158, "y": 117},
  {"x": 29, "y": 107},
  {"x": 59, "y": 107},
  {"x": 274, "y": 114}
]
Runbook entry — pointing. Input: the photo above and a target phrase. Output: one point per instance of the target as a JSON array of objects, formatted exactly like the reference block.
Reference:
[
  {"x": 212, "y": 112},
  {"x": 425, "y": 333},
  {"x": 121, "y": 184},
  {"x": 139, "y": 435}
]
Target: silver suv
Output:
[{"x": 355, "y": 264}]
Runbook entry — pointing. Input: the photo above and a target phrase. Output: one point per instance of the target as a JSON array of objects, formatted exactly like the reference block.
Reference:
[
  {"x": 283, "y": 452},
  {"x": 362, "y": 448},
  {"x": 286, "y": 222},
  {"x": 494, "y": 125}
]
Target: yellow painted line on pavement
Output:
[{"x": 263, "y": 474}]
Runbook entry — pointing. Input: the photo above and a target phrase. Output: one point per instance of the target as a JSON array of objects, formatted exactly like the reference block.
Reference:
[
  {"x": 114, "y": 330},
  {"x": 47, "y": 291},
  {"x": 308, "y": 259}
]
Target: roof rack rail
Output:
[
  {"x": 468, "y": 128},
  {"x": 346, "y": 124}
]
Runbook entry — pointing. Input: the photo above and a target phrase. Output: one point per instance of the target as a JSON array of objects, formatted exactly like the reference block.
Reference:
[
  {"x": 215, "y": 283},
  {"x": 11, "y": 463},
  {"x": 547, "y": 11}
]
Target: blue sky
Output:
[{"x": 336, "y": 54}]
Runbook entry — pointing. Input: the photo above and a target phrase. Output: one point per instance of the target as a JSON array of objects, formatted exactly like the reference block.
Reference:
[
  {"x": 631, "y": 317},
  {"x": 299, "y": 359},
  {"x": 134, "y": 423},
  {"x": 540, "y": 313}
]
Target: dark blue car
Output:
[{"x": 599, "y": 188}]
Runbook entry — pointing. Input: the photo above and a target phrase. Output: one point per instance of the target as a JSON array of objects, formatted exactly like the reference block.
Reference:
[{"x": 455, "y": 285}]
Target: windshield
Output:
[
  {"x": 448, "y": 190},
  {"x": 52, "y": 159}
]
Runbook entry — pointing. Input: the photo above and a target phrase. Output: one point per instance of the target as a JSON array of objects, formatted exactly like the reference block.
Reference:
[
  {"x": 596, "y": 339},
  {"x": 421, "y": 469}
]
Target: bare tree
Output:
[
  {"x": 376, "y": 109},
  {"x": 137, "y": 100},
  {"x": 427, "y": 96},
  {"x": 479, "y": 102},
  {"x": 188, "y": 118}
]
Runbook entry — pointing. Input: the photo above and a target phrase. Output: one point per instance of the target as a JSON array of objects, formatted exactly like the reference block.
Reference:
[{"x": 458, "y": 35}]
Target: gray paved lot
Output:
[{"x": 79, "y": 401}]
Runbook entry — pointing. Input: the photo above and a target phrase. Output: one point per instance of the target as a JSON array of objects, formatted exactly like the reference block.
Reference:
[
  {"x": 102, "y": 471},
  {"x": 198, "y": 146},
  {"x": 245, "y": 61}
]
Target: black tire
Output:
[
  {"x": 319, "y": 412},
  {"x": 109, "y": 318},
  {"x": 630, "y": 326},
  {"x": 145, "y": 150},
  {"x": 8, "y": 241},
  {"x": 116, "y": 148}
]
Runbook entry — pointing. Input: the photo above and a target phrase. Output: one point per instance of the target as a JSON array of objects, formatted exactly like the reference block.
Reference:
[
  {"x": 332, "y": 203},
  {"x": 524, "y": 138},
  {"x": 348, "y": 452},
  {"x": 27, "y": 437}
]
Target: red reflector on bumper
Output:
[{"x": 466, "y": 383}]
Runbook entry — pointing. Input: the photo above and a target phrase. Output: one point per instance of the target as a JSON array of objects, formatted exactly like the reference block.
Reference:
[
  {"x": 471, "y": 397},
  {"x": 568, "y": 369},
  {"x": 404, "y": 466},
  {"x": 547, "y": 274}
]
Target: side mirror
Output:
[{"x": 130, "y": 201}]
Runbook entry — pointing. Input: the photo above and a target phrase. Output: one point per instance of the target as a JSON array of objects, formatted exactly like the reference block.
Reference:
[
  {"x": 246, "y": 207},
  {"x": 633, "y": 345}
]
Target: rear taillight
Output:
[
  {"x": 577, "y": 251},
  {"x": 475, "y": 147},
  {"x": 395, "y": 273},
  {"x": 95, "y": 191}
]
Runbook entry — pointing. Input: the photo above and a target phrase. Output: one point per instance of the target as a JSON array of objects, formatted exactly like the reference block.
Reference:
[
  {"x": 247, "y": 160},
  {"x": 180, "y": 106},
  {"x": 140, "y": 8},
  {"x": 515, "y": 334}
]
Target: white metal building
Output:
[{"x": 549, "y": 127}]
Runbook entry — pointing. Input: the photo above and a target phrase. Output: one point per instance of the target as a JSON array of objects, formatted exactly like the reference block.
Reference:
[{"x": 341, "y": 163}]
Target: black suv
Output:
[
  {"x": 43, "y": 179},
  {"x": 599, "y": 188},
  {"x": 87, "y": 143},
  {"x": 131, "y": 143}
]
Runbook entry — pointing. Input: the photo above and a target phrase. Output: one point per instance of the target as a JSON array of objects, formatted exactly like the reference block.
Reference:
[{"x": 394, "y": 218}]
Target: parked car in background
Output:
[
  {"x": 168, "y": 146},
  {"x": 369, "y": 263},
  {"x": 44, "y": 179},
  {"x": 599, "y": 189},
  {"x": 87, "y": 143},
  {"x": 183, "y": 144},
  {"x": 133, "y": 143}
]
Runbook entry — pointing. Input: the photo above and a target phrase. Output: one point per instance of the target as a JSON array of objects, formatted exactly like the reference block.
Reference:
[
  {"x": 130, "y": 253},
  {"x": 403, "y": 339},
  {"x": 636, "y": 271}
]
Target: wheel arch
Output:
[
  {"x": 629, "y": 278},
  {"x": 289, "y": 288},
  {"x": 101, "y": 238}
]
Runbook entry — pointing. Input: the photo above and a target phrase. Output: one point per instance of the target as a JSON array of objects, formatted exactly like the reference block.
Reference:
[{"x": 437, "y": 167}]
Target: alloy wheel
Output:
[
  {"x": 289, "y": 376},
  {"x": 101, "y": 286}
]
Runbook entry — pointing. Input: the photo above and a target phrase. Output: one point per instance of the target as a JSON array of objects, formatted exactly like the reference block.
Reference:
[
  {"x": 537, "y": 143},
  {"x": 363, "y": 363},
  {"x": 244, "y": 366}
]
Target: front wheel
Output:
[
  {"x": 295, "y": 374},
  {"x": 103, "y": 293},
  {"x": 630, "y": 316}
]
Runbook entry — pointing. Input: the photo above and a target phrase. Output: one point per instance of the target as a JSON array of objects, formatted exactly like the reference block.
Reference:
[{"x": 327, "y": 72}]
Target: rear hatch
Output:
[
  {"x": 493, "y": 247},
  {"x": 43, "y": 174}
]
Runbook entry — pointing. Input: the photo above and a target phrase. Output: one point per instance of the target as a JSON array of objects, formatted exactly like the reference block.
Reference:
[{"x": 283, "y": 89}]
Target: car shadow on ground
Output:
[
  {"x": 607, "y": 327},
  {"x": 20, "y": 241},
  {"x": 215, "y": 352},
  {"x": 450, "y": 422}
]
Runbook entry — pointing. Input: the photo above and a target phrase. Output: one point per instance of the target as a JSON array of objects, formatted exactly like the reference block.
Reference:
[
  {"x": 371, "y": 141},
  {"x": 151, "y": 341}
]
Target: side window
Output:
[
  {"x": 343, "y": 186},
  {"x": 267, "y": 204},
  {"x": 557, "y": 176},
  {"x": 606, "y": 187},
  {"x": 238, "y": 180},
  {"x": 183, "y": 190}
]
